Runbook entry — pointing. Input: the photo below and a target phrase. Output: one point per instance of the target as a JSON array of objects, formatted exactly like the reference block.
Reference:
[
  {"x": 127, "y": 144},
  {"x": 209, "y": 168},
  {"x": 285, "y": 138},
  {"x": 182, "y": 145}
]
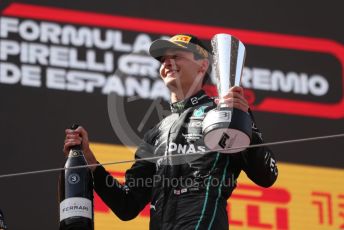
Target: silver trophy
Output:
[{"x": 226, "y": 129}]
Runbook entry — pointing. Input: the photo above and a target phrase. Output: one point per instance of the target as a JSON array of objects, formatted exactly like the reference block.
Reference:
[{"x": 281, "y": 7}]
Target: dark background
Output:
[{"x": 32, "y": 121}]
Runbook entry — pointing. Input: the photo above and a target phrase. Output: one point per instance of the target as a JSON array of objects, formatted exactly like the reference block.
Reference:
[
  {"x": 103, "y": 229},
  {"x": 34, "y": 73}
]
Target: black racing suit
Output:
[{"x": 188, "y": 191}]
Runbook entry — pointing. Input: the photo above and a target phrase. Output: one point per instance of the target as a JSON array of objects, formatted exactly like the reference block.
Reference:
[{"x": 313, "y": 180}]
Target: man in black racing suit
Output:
[{"x": 185, "y": 190}]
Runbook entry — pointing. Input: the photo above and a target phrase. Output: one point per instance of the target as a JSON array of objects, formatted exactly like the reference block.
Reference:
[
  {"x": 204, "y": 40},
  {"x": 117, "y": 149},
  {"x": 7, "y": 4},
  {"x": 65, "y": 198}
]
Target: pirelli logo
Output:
[{"x": 181, "y": 38}]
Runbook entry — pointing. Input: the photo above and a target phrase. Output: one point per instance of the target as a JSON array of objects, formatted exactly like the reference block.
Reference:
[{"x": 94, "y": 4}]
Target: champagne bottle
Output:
[{"x": 76, "y": 193}]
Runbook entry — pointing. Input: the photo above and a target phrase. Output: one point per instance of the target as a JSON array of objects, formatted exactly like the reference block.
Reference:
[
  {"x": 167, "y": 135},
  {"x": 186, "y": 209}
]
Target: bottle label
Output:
[
  {"x": 74, "y": 153},
  {"x": 76, "y": 206}
]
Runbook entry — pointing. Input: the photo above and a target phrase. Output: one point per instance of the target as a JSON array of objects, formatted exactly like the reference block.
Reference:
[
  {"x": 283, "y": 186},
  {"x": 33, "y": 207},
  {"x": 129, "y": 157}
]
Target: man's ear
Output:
[{"x": 204, "y": 65}]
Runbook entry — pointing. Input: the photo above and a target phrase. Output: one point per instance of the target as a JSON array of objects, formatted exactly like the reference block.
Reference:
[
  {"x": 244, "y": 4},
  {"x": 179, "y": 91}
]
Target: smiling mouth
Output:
[{"x": 171, "y": 72}]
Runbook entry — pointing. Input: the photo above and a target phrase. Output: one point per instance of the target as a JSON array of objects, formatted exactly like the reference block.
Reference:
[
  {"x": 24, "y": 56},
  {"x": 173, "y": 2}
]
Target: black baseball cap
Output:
[{"x": 186, "y": 42}]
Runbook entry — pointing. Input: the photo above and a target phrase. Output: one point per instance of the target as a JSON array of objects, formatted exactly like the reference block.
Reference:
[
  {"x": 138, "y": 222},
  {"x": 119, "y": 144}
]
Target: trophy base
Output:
[{"x": 226, "y": 130}]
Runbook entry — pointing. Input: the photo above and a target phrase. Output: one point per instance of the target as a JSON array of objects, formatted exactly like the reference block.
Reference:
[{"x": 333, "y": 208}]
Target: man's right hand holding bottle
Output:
[{"x": 79, "y": 136}]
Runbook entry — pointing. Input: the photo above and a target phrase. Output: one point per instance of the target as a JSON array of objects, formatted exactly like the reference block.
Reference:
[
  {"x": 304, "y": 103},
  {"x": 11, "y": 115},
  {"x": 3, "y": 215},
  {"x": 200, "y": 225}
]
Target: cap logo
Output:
[{"x": 181, "y": 38}]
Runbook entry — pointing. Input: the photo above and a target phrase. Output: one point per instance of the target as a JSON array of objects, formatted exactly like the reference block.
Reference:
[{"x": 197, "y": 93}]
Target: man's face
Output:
[{"x": 179, "y": 69}]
